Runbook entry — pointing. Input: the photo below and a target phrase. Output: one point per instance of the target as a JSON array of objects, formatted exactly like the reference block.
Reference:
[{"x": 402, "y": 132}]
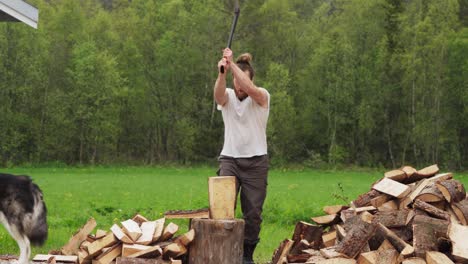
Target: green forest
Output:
[{"x": 352, "y": 82}]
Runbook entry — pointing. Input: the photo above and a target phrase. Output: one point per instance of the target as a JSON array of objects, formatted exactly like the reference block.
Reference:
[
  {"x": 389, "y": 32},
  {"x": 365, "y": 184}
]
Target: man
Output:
[{"x": 245, "y": 112}]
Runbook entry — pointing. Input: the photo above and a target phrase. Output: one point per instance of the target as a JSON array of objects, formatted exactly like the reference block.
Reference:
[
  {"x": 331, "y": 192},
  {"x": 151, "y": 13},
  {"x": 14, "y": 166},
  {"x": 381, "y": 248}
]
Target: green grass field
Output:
[{"x": 115, "y": 194}]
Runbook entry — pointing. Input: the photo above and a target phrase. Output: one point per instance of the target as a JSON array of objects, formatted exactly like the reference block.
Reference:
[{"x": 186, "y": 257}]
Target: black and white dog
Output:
[{"x": 23, "y": 213}]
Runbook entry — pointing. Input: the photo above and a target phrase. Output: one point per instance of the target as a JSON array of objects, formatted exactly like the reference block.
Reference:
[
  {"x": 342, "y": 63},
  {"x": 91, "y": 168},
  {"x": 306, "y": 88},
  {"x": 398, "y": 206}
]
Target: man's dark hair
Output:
[{"x": 243, "y": 61}]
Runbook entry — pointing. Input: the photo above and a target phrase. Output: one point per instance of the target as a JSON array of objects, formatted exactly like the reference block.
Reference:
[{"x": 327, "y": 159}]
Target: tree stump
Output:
[{"x": 217, "y": 241}]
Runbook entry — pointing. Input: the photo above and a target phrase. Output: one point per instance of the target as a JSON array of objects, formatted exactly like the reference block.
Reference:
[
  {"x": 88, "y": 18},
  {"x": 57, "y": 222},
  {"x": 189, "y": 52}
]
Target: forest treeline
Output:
[{"x": 361, "y": 82}]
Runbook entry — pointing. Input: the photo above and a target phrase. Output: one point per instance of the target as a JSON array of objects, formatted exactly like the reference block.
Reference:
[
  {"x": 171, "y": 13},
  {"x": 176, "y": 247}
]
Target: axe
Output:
[{"x": 233, "y": 27}]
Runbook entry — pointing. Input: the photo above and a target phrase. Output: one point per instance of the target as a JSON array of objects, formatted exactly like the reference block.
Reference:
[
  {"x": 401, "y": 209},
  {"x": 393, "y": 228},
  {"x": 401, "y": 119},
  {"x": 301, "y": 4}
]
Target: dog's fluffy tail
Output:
[{"x": 35, "y": 226}]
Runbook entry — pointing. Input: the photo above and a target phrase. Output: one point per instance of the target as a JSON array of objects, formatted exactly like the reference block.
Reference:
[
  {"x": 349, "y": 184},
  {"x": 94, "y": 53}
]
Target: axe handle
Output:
[{"x": 233, "y": 28}]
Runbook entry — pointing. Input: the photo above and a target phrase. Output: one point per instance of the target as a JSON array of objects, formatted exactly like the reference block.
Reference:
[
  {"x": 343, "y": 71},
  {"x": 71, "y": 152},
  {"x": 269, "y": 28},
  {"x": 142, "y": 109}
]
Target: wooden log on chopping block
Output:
[
  {"x": 222, "y": 196},
  {"x": 217, "y": 241},
  {"x": 461, "y": 211},
  {"x": 452, "y": 190}
]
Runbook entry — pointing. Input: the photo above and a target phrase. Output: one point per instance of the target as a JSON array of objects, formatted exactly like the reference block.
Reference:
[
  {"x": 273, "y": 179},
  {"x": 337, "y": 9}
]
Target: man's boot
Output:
[{"x": 249, "y": 249}]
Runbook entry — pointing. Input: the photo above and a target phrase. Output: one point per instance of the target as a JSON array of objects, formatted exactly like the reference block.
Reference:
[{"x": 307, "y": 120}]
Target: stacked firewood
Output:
[
  {"x": 409, "y": 216},
  {"x": 134, "y": 241}
]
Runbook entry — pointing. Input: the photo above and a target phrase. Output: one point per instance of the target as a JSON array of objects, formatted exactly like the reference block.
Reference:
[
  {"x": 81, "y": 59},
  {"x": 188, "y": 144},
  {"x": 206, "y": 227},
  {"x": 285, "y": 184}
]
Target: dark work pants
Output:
[{"x": 251, "y": 180}]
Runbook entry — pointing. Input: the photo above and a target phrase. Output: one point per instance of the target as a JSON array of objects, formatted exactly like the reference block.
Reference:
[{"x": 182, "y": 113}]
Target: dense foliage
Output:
[{"x": 363, "y": 82}]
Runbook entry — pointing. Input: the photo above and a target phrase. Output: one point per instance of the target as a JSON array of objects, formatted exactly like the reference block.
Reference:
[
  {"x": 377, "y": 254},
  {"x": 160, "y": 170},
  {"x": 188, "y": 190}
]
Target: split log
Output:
[
  {"x": 385, "y": 245},
  {"x": 281, "y": 252},
  {"x": 396, "y": 175},
  {"x": 458, "y": 234},
  {"x": 423, "y": 173},
  {"x": 337, "y": 261},
  {"x": 392, "y": 188},
  {"x": 169, "y": 231},
  {"x": 329, "y": 239},
  {"x": 59, "y": 258},
  {"x": 132, "y": 229},
  {"x": 399, "y": 244},
  {"x": 359, "y": 210},
  {"x": 174, "y": 250},
  {"x": 300, "y": 258},
  {"x": 298, "y": 247},
  {"x": 159, "y": 229},
  {"x": 222, "y": 196},
  {"x": 311, "y": 233},
  {"x": 71, "y": 248},
  {"x": 461, "y": 211},
  {"x": 435, "y": 257},
  {"x": 128, "y": 250},
  {"x": 389, "y": 206},
  {"x": 109, "y": 255},
  {"x": 107, "y": 241},
  {"x": 431, "y": 210},
  {"x": 118, "y": 232},
  {"x": 365, "y": 199},
  {"x": 151, "y": 252},
  {"x": 452, "y": 190},
  {"x": 409, "y": 171},
  {"x": 340, "y": 233},
  {"x": 147, "y": 230},
  {"x": 356, "y": 238},
  {"x": 347, "y": 214},
  {"x": 430, "y": 194},
  {"x": 414, "y": 261},
  {"x": 186, "y": 238},
  {"x": 139, "y": 219},
  {"x": 126, "y": 260},
  {"x": 100, "y": 234},
  {"x": 326, "y": 219},
  {"x": 199, "y": 213},
  {"x": 426, "y": 233},
  {"x": 334, "y": 209},
  {"x": 225, "y": 237},
  {"x": 388, "y": 256},
  {"x": 421, "y": 186},
  {"x": 395, "y": 218},
  {"x": 331, "y": 253},
  {"x": 380, "y": 200}
]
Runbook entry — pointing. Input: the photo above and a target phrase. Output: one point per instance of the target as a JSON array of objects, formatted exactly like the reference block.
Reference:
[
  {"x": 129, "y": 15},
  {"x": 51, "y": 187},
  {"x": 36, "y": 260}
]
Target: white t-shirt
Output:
[{"x": 245, "y": 125}]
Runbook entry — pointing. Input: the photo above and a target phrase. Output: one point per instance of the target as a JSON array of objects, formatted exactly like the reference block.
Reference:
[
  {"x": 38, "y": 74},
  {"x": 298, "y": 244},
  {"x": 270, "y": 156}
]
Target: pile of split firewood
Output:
[
  {"x": 409, "y": 216},
  {"x": 134, "y": 241}
]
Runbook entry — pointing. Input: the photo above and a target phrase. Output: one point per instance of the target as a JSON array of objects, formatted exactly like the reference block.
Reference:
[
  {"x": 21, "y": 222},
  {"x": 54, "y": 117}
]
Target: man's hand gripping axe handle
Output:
[{"x": 233, "y": 27}]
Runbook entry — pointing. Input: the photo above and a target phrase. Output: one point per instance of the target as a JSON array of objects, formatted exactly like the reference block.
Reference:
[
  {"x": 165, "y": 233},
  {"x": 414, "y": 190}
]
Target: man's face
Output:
[{"x": 237, "y": 88}]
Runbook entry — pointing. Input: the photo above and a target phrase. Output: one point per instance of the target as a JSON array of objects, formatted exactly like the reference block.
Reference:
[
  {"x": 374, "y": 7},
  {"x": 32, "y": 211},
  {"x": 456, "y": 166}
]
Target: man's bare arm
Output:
[
  {"x": 258, "y": 95},
  {"x": 220, "y": 94}
]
